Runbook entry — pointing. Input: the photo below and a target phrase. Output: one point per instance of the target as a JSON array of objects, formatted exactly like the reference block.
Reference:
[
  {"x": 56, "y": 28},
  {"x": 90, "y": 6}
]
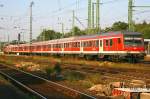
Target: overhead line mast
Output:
[
  {"x": 31, "y": 4},
  {"x": 130, "y": 14},
  {"x": 98, "y": 14},
  {"x": 93, "y": 16},
  {"x": 89, "y": 13}
]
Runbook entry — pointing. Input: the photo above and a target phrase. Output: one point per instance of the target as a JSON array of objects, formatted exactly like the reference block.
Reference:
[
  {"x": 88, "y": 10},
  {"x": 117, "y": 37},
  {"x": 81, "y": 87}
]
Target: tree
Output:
[
  {"x": 143, "y": 28},
  {"x": 75, "y": 31},
  {"x": 146, "y": 33},
  {"x": 48, "y": 35},
  {"x": 119, "y": 26}
]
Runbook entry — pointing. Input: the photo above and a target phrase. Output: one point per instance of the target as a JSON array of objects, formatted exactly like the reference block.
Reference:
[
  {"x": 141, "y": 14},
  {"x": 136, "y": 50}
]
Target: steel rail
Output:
[
  {"x": 78, "y": 93},
  {"x": 23, "y": 86}
]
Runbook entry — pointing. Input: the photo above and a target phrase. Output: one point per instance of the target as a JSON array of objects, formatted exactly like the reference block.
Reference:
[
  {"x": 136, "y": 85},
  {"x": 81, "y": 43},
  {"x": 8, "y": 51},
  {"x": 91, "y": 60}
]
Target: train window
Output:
[
  {"x": 93, "y": 43},
  {"x": 64, "y": 45},
  {"x": 100, "y": 43},
  {"x": 74, "y": 44},
  {"x": 119, "y": 40},
  {"x": 107, "y": 42},
  {"x": 53, "y": 45},
  {"x": 78, "y": 44},
  {"x": 49, "y": 46},
  {"x": 87, "y": 44},
  {"x": 67, "y": 45},
  {"x": 111, "y": 42},
  {"x": 84, "y": 45},
  {"x": 97, "y": 43},
  {"x": 59, "y": 45}
]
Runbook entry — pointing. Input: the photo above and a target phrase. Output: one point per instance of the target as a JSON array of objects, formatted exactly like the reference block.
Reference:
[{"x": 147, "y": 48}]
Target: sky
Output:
[{"x": 50, "y": 14}]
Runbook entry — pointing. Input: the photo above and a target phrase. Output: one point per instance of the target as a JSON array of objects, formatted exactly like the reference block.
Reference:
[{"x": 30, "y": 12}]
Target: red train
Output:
[{"x": 111, "y": 45}]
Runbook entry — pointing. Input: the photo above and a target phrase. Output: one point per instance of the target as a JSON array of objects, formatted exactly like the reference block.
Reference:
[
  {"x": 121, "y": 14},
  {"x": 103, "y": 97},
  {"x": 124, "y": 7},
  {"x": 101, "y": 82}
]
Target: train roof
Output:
[
  {"x": 110, "y": 33},
  {"x": 75, "y": 38}
]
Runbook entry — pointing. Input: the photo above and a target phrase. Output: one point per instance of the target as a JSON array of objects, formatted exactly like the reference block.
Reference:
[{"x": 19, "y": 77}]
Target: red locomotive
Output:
[{"x": 111, "y": 45}]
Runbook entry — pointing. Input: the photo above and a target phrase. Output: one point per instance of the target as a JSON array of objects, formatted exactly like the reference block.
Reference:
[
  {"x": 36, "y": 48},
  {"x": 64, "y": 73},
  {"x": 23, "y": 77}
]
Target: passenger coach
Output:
[{"x": 112, "y": 45}]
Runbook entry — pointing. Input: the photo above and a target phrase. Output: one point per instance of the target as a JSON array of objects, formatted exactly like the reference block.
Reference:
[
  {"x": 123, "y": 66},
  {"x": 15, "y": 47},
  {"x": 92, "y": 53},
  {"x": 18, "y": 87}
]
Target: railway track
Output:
[
  {"x": 108, "y": 73},
  {"x": 144, "y": 62},
  {"x": 40, "y": 87}
]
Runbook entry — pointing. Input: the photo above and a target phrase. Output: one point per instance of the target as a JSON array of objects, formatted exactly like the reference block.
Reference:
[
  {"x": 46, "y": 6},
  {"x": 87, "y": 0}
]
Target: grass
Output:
[{"x": 51, "y": 61}]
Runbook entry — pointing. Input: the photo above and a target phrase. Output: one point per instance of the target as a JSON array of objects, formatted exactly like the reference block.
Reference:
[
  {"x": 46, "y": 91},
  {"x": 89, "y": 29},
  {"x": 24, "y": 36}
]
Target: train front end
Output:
[{"x": 134, "y": 45}]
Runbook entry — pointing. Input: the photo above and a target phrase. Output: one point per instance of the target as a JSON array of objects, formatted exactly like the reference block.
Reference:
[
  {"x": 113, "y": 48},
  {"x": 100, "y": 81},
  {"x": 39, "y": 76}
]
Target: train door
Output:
[
  {"x": 100, "y": 45},
  {"x": 117, "y": 44},
  {"x": 62, "y": 47},
  {"x": 81, "y": 47}
]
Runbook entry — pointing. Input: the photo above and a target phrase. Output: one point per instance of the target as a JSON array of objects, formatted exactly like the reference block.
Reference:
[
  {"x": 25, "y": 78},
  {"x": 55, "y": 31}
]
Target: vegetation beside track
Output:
[
  {"x": 81, "y": 74},
  {"x": 51, "y": 61}
]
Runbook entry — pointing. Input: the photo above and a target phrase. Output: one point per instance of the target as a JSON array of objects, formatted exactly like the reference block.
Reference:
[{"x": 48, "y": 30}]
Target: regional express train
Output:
[{"x": 105, "y": 45}]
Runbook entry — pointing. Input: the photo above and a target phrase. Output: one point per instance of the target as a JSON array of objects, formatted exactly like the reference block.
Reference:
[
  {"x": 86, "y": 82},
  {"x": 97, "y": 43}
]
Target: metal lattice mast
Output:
[
  {"x": 31, "y": 4},
  {"x": 97, "y": 14},
  {"x": 62, "y": 27},
  {"x": 130, "y": 15},
  {"x": 89, "y": 13},
  {"x": 73, "y": 19},
  {"x": 93, "y": 20}
]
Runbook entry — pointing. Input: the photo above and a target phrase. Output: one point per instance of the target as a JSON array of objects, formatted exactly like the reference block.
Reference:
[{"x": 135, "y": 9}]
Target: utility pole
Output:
[
  {"x": 89, "y": 14},
  {"x": 93, "y": 21},
  {"x": 31, "y": 4},
  {"x": 73, "y": 19}
]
